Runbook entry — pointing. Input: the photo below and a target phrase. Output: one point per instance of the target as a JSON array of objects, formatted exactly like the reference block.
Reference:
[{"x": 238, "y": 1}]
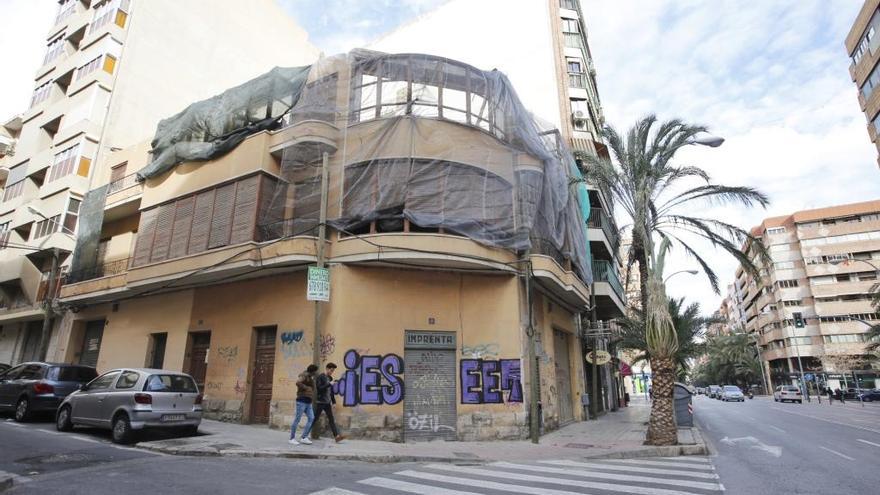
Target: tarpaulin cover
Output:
[{"x": 423, "y": 144}]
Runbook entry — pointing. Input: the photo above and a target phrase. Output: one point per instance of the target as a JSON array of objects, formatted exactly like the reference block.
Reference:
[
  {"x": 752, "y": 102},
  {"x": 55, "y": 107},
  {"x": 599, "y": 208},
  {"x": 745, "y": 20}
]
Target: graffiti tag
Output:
[
  {"x": 485, "y": 381},
  {"x": 288, "y": 338},
  {"x": 328, "y": 345},
  {"x": 480, "y": 351},
  {"x": 421, "y": 422},
  {"x": 228, "y": 353},
  {"x": 370, "y": 379}
]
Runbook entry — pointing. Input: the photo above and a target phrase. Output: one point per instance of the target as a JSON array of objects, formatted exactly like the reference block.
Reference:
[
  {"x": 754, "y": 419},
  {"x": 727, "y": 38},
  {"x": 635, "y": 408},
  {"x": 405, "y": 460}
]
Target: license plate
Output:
[{"x": 173, "y": 417}]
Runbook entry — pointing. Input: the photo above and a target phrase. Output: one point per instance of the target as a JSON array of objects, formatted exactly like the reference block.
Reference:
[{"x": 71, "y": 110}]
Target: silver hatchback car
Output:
[{"x": 130, "y": 399}]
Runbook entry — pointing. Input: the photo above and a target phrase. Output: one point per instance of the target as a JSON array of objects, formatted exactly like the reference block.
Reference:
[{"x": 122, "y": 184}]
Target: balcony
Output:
[
  {"x": 308, "y": 140},
  {"x": 843, "y": 307},
  {"x": 604, "y": 271},
  {"x": 20, "y": 271},
  {"x": 123, "y": 191},
  {"x": 600, "y": 220},
  {"x": 108, "y": 269},
  {"x": 843, "y": 288}
]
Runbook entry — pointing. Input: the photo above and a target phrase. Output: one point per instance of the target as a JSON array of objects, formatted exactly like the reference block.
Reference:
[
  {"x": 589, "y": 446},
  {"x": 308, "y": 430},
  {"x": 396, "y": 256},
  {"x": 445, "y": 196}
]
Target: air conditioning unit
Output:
[
  {"x": 6, "y": 146},
  {"x": 579, "y": 118}
]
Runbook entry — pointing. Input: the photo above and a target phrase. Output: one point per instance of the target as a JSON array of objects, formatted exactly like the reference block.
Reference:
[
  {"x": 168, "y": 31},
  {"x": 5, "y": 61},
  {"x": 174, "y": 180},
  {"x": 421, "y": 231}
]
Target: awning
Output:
[{"x": 625, "y": 370}]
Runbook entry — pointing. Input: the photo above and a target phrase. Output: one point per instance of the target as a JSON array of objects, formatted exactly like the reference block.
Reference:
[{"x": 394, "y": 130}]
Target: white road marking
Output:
[
  {"x": 83, "y": 439},
  {"x": 336, "y": 491},
  {"x": 754, "y": 443},
  {"x": 837, "y": 453},
  {"x": 11, "y": 422},
  {"x": 405, "y": 486},
  {"x": 827, "y": 420},
  {"x": 869, "y": 443},
  {"x": 507, "y": 475},
  {"x": 491, "y": 485},
  {"x": 611, "y": 476},
  {"x": 629, "y": 469},
  {"x": 780, "y": 430},
  {"x": 672, "y": 463}
]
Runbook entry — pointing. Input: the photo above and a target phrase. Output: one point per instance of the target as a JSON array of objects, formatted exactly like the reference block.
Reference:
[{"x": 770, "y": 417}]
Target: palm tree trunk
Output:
[
  {"x": 641, "y": 256},
  {"x": 661, "y": 428}
]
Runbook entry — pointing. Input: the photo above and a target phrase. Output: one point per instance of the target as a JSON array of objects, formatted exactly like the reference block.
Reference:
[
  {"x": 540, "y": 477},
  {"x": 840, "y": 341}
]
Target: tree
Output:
[
  {"x": 654, "y": 194},
  {"x": 729, "y": 359}
]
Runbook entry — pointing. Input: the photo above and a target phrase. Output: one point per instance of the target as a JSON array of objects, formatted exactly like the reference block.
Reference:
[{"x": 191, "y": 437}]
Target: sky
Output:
[{"x": 771, "y": 77}]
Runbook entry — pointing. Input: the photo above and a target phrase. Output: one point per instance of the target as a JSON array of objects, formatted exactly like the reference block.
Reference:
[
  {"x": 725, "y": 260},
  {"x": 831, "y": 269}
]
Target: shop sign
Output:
[
  {"x": 429, "y": 340},
  {"x": 318, "y": 285},
  {"x": 598, "y": 357}
]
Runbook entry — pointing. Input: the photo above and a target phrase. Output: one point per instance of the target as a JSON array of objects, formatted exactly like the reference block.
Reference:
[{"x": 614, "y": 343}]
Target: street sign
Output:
[
  {"x": 808, "y": 377},
  {"x": 601, "y": 357},
  {"x": 318, "y": 285}
]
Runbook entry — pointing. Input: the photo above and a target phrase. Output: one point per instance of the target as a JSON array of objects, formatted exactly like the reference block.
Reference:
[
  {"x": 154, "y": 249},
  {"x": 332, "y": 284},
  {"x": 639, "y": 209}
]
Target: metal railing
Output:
[
  {"x": 117, "y": 185},
  {"x": 604, "y": 271},
  {"x": 114, "y": 267},
  {"x": 600, "y": 220}
]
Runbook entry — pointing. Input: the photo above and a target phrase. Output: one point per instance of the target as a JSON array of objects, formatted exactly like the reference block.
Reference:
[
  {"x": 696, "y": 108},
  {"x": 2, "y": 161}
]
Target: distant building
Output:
[
  {"x": 111, "y": 70},
  {"x": 824, "y": 266},
  {"x": 862, "y": 44}
]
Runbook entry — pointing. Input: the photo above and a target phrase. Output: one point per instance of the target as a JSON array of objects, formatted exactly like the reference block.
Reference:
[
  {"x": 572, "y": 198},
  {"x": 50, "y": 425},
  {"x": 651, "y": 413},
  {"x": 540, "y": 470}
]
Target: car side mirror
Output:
[{"x": 83, "y": 387}]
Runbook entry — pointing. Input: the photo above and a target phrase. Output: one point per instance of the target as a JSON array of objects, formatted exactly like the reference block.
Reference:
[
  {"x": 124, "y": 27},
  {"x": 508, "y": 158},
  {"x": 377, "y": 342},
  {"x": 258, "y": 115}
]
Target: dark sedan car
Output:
[
  {"x": 40, "y": 387},
  {"x": 871, "y": 395}
]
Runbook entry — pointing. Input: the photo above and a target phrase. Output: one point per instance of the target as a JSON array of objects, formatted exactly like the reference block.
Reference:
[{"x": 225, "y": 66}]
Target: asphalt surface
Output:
[{"x": 766, "y": 447}]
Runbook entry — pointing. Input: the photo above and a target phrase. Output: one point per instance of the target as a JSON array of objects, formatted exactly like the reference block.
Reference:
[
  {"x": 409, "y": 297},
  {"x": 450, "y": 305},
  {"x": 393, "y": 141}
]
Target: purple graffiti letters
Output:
[
  {"x": 483, "y": 381},
  {"x": 362, "y": 382}
]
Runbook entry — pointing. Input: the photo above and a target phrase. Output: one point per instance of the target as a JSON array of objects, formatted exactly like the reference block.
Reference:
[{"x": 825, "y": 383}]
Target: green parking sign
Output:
[{"x": 318, "y": 285}]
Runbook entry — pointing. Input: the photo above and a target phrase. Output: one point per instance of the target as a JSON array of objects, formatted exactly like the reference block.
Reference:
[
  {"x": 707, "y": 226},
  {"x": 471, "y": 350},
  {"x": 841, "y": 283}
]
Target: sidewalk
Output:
[{"x": 614, "y": 435}]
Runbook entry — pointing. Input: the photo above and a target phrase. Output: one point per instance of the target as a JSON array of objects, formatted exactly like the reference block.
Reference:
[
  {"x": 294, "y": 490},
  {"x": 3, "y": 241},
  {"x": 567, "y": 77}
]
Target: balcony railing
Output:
[
  {"x": 603, "y": 271},
  {"x": 104, "y": 270},
  {"x": 600, "y": 220},
  {"x": 123, "y": 183}
]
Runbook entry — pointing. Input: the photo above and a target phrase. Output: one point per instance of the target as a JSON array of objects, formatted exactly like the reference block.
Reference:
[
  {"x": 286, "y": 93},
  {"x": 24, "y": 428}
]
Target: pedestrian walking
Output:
[
  {"x": 830, "y": 395},
  {"x": 840, "y": 396},
  {"x": 325, "y": 400},
  {"x": 305, "y": 396}
]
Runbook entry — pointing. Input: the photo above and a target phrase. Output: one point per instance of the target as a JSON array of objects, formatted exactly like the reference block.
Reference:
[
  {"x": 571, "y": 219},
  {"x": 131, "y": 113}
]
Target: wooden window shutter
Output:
[
  {"x": 162, "y": 238},
  {"x": 201, "y": 222},
  {"x": 118, "y": 172},
  {"x": 183, "y": 220},
  {"x": 146, "y": 230},
  {"x": 271, "y": 209},
  {"x": 84, "y": 165},
  {"x": 109, "y": 64},
  {"x": 245, "y": 213},
  {"x": 221, "y": 220}
]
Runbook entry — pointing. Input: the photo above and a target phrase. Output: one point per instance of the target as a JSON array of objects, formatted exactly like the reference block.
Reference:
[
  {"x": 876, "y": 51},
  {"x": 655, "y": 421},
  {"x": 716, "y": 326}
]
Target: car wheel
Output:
[
  {"x": 775, "y": 399},
  {"x": 122, "y": 432},
  {"x": 800, "y": 402},
  {"x": 22, "y": 410},
  {"x": 62, "y": 420}
]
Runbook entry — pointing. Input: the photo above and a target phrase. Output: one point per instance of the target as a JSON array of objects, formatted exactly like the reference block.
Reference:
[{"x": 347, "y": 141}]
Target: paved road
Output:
[
  {"x": 768, "y": 447},
  {"x": 84, "y": 461}
]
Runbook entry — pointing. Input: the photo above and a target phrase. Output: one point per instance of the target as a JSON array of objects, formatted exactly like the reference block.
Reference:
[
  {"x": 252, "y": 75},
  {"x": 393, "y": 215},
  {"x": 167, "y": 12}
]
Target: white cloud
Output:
[
  {"x": 23, "y": 41},
  {"x": 771, "y": 77}
]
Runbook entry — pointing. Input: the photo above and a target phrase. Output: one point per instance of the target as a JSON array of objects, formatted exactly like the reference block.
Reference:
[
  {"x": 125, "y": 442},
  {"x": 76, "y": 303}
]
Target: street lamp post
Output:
[{"x": 692, "y": 272}]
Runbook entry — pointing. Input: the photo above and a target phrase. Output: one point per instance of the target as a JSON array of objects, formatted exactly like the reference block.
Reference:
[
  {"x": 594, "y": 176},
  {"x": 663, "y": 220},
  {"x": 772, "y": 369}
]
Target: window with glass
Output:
[
  {"x": 41, "y": 94},
  {"x": 64, "y": 163},
  {"x": 103, "y": 381},
  {"x": 871, "y": 82},
  {"x": 4, "y": 234},
  {"x": 425, "y": 87},
  {"x": 71, "y": 216},
  {"x": 111, "y": 10},
  {"x": 65, "y": 10},
  {"x": 107, "y": 62},
  {"x": 54, "y": 49},
  {"x": 13, "y": 191},
  {"x": 567, "y": 4},
  {"x": 46, "y": 226},
  {"x": 865, "y": 43},
  {"x": 570, "y": 26},
  {"x": 851, "y": 338}
]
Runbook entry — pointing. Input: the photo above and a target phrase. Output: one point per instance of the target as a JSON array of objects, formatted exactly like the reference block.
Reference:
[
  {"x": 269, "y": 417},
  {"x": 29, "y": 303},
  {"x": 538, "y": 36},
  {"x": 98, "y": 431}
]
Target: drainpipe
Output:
[
  {"x": 594, "y": 394},
  {"x": 534, "y": 425},
  {"x": 322, "y": 233}
]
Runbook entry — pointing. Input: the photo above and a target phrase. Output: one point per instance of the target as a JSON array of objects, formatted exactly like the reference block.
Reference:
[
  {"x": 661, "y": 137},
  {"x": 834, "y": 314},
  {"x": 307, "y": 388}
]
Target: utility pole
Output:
[
  {"x": 594, "y": 393},
  {"x": 764, "y": 382},
  {"x": 47, "y": 306},
  {"x": 322, "y": 234},
  {"x": 534, "y": 425}
]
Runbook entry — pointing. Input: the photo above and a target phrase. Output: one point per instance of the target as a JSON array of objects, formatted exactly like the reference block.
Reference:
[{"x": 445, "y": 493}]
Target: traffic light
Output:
[{"x": 798, "y": 320}]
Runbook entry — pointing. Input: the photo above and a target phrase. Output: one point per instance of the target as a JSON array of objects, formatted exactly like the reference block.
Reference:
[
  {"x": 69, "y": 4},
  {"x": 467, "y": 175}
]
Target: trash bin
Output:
[{"x": 682, "y": 397}]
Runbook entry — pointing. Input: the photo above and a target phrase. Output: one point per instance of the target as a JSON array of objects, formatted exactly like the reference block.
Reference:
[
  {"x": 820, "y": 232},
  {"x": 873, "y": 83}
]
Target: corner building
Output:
[
  {"x": 453, "y": 235},
  {"x": 862, "y": 45}
]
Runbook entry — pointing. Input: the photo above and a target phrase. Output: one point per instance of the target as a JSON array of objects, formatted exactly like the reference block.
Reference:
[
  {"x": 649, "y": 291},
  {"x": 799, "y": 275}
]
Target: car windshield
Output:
[
  {"x": 731, "y": 388},
  {"x": 72, "y": 374},
  {"x": 170, "y": 383},
  {"x": 791, "y": 389}
]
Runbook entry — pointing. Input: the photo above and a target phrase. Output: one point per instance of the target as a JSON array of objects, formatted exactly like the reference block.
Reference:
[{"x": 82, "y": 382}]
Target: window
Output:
[
  {"x": 31, "y": 372},
  {"x": 170, "y": 383},
  {"x": 72, "y": 374},
  {"x": 776, "y": 230},
  {"x": 4, "y": 234},
  {"x": 41, "y": 94},
  {"x": 89, "y": 67},
  {"x": 112, "y": 10},
  {"x": 128, "y": 380},
  {"x": 65, "y": 10},
  {"x": 576, "y": 76},
  {"x": 64, "y": 164},
  {"x": 72, "y": 215},
  {"x": 851, "y": 338},
  {"x": 786, "y": 284},
  {"x": 794, "y": 302},
  {"x": 54, "y": 49},
  {"x": 567, "y": 4},
  {"x": 865, "y": 43},
  {"x": 570, "y": 26},
  {"x": 103, "y": 381},
  {"x": 13, "y": 191},
  {"x": 779, "y": 248},
  {"x": 836, "y": 239},
  {"x": 783, "y": 265},
  {"x": 46, "y": 227}
]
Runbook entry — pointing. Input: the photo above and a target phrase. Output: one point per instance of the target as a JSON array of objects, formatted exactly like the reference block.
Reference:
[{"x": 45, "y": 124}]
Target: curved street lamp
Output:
[{"x": 692, "y": 272}]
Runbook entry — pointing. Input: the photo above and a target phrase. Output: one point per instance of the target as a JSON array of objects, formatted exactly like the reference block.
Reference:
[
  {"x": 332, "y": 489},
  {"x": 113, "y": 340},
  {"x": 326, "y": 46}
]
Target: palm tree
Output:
[{"x": 654, "y": 194}]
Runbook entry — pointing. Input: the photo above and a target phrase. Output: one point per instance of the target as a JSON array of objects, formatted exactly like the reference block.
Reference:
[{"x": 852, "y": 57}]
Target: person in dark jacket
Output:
[
  {"x": 326, "y": 399},
  {"x": 305, "y": 396}
]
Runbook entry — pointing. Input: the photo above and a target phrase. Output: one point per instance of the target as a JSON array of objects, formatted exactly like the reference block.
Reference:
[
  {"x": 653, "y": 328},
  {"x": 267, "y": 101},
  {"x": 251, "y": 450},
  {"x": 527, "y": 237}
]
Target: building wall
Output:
[
  {"x": 860, "y": 72},
  {"x": 369, "y": 312}
]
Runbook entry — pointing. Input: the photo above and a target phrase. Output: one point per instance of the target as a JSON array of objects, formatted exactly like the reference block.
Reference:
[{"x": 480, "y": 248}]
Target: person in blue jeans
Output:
[{"x": 305, "y": 396}]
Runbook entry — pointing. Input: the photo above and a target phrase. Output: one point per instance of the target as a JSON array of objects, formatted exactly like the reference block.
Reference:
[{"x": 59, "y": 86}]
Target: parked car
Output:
[
  {"x": 731, "y": 393},
  {"x": 871, "y": 395},
  {"x": 788, "y": 392},
  {"x": 35, "y": 387},
  {"x": 715, "y": 391},
  {"x": 128, "y": 400}
]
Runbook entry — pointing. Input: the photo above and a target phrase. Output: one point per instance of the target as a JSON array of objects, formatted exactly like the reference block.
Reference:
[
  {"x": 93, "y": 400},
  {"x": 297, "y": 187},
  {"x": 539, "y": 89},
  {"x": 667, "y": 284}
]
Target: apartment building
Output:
[
  {"x": 112, "y": 69},
  {"x": 823, "y": 270},
  {"x": 542, "y": 46},
  {"x": 455, "y": 248},
  {"x": 862, "y": 45}
]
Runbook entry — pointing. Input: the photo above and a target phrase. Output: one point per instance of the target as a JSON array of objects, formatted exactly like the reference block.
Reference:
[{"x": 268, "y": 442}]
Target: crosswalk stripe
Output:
[
  {"x": 336, "y": 491},
  {"x": 406, "y": 486},
  {"x": 505, "y": 487},
  {"x": 869, "y": 443},
  {"x": 556, "y": 481},
  {"x": 611, "y": 476},
  {"x": 672, "y": 464},
  {"x": 629, "y": 469}
]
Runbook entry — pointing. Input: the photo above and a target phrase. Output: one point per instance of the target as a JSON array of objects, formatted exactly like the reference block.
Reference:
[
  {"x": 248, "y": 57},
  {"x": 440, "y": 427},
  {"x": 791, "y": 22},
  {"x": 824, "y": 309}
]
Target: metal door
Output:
[
  {"x": 563, "y": 377},
  {"x": 264, "y": 368},
  {"x": 200, "y": 342},
  {"x": 430, "y": 403},
  {"x": 92, "y": 343},
  {"x": 31, "y": 349},
  {"x": 157, "y": 358}
]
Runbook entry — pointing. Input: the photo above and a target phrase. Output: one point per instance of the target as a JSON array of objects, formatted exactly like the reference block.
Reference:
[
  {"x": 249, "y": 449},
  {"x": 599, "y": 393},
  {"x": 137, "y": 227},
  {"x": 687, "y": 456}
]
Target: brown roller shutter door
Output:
[
  {"x": 162, "y": 239},
  {"x": 221, "y": 222},
  {"x": 146, "y": 231},
  {"x": 244, "y": 215},
  {"x": 201, "y": 222},
  {"x": 182, "y": 224}
]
